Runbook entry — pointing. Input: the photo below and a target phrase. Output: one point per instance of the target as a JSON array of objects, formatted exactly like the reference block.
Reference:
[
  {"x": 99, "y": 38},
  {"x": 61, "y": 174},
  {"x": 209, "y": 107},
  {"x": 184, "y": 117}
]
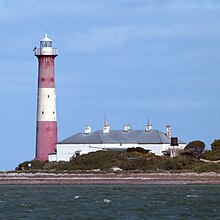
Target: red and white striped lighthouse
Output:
[{"x": 46, "y": 134}]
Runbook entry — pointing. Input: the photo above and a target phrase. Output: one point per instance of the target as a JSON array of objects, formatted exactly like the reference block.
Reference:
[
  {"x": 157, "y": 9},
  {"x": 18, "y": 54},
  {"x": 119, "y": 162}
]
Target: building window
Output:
[
  {"x": 42, "y": 112},
  {"x": 42, "y": 79},
  {"x": 48, "y": 96}
]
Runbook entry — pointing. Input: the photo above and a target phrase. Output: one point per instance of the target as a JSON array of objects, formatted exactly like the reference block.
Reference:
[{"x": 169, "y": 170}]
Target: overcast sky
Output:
[{"x": 128, "y": 59}]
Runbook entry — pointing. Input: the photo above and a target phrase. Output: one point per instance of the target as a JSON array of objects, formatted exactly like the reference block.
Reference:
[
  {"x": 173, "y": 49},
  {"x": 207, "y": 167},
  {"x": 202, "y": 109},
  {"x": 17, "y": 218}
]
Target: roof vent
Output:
[
  {"x": 168, "y": 131},
  {"x": 148, "y": 127},
  {"x": 106, "y": 128},
  {"x": 87, "y": 130},
  {"x": 127, "y": 128}
]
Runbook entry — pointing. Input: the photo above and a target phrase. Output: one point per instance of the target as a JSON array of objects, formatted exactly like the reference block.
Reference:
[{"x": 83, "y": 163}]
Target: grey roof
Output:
[{"x": 119, "y": 136}]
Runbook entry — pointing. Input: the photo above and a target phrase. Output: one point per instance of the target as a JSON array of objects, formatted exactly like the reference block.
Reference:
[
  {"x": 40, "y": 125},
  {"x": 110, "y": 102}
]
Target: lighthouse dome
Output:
[{"x": 46, "y": 38}]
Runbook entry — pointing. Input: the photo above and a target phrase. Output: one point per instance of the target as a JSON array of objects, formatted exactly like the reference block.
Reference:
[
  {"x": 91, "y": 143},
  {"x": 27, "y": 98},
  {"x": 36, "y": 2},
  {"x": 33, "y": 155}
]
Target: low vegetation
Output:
[{"x": 134, "y": 160}]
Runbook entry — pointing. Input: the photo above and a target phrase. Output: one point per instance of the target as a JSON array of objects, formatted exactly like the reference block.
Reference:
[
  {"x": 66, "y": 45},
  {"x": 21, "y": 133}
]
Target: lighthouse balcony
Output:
[{"x": 46, "y": 51}]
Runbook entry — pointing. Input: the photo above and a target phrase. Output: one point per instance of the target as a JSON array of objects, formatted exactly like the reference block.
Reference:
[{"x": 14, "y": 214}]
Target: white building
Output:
[{"x": 82, "y": 143}]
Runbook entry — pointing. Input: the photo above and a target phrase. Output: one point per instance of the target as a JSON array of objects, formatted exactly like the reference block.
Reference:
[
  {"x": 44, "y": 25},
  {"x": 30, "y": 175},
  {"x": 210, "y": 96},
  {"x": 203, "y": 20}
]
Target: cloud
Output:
[
  {"x": 167, "y": 104},
  {"x": 99, "y": 38},
  {"x": 106, "y": 38}
]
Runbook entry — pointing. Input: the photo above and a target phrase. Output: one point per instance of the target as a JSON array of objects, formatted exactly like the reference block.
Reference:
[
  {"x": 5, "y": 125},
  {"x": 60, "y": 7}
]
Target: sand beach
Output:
[{"x": 108, "y": 178}]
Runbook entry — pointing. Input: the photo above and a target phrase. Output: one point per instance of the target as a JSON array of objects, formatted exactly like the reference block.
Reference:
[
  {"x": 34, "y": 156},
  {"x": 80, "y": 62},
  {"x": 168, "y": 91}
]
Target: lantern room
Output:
[
  {"x": 45, "y": 47},
  {"x": 46, "y": 42}
]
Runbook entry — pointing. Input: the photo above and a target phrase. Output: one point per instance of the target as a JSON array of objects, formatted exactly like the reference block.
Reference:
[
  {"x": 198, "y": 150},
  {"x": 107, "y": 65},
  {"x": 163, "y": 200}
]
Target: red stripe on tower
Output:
[{"x": 46, "y": 134}]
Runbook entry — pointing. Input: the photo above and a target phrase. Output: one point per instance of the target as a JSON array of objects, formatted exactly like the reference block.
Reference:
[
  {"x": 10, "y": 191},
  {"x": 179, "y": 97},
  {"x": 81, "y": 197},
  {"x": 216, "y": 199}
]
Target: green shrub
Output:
[
  {"x": 179, "y": 163},
  {"x": 211, "y": 155},
  {"x": 127, "y": 161},
  {"x": 97, "y": 160},
  {"x": 138, "y": 149},
  {"x": 35, "y": 165},
  {"x": 207, "y": 167},
  {"x": 216, "y": 145}
]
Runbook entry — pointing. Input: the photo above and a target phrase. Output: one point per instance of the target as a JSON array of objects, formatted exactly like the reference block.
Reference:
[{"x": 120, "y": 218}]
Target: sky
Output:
[{"x": 129, "y": 59}]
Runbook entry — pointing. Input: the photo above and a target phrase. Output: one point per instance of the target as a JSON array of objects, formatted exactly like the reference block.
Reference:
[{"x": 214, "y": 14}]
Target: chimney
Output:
[
  {"x": 148, "y": 127},
  {"x": 126, "y": 128},
  {"x": 106, "y": 128},
  {"x": 87, "y": 130},
  {"x": 168, "y": 131}
]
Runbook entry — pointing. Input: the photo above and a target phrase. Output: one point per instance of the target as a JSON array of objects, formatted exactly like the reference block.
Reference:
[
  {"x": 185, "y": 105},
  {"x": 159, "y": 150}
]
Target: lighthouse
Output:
[{"x": 46, "y": 130}]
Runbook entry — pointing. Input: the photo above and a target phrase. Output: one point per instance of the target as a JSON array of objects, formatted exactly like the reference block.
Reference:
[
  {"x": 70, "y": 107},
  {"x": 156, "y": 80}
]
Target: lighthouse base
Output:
[{"x": 46, "y": 138}]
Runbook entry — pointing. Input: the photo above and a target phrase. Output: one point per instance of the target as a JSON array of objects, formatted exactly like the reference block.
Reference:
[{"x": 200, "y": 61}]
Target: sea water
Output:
[{"x": 110, "y": 202}]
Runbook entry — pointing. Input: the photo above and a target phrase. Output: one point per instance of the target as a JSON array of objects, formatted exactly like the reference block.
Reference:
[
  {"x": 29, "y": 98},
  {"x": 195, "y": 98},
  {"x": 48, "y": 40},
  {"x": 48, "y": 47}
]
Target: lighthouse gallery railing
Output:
[{"x": 37, "y": 51}]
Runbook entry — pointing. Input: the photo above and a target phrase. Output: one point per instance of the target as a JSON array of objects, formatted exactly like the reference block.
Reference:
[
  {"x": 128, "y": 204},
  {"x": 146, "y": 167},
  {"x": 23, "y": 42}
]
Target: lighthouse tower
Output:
[{"x": 46, "y": 132}]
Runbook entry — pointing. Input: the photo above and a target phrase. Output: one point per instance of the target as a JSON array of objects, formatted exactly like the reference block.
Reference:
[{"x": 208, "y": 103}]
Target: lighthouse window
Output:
[
  {"x": 42, "y": 79},
  {"x": 42, "y": 112},
  {"x": 48, "y": 96},
  {"x": 52, "y": 79},
  {"x": 53, "y": 112},
  {"x": 46, "y": 44}
]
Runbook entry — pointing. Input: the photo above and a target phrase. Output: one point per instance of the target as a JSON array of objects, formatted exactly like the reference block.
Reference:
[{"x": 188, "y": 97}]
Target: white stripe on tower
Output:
[{"x": 46, "y": 104}]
